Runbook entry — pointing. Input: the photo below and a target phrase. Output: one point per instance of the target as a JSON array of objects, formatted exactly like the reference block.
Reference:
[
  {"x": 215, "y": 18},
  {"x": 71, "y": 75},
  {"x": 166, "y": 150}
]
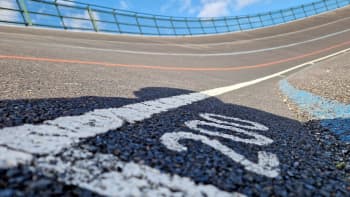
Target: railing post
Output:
[
  {"x": 188, "y": 27},
  {"x": 283, "y": 18},
  {"x": 138, "y": 24},
  {"x": 238, "y": 23},
  {"x": 250, "y": 22},
  {"x": 337, "y": 2},
  {"x": 227, "y": 26},
  {"x": 292, "y": 9},
  {"x": 304, "y": 10},
  {"x": 172, "y": 25},
  {"x": 156, "y": 23},
  {"x": 25, "y": 13},
  {"x": 216, "y": 30},
  {"x": 261, "y": 21},
  {"x": 325, "y": 4},
  {"x": 60, "y": 15},
  {"x": 272, "y": 19},
  {"x": 202, "y": 27},
  {"x": 93, "y": 21},
  {"x": 313, "y": 5},
  {"x": 116, "y": 20}
]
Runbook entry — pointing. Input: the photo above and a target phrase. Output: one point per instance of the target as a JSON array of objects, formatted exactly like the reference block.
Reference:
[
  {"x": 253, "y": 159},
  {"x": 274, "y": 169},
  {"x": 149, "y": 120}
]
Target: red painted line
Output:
[{"x": 13, "y": 57}]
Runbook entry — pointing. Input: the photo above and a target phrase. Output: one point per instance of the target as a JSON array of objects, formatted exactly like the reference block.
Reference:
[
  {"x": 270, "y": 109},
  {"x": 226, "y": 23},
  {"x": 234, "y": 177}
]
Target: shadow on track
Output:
[{"x": 305, "y": 167}]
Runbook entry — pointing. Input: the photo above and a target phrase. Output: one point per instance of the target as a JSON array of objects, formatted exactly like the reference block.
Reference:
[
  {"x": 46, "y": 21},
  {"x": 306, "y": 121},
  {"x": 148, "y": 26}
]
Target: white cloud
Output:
[
  {"x": 214, "y": 8},
  {"x": 182, "y": 6},
  {"x": 217, "y": 8},
  {"x": 165, "y": 7},
  {"x": 66, "y": 2},
  {"x": 8, "y": 4},
  {"x": 8, "y": 15},
  {"x": 76, "y": 23},
  {"x": 186, "y": 6},
  {"x": 240, "y": 4},
  {"x": 123, "y": 5}
]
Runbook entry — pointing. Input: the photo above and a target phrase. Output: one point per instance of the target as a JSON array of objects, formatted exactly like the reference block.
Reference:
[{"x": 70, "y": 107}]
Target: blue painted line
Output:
[{"x": 333, "y": 115}]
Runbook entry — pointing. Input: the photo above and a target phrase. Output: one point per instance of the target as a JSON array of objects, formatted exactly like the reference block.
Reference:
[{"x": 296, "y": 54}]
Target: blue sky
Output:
[
  {"x": 203, "y": 8},
  {"x": 81, "y": 19}
]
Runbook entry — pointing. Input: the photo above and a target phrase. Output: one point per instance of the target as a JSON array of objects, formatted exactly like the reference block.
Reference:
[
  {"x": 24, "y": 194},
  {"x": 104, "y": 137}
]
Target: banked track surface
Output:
[{"x": 129, "y": 115}]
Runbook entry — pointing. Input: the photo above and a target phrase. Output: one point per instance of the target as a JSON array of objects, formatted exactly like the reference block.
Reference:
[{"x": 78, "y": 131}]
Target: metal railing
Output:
[{"x": 67, "y": 14}]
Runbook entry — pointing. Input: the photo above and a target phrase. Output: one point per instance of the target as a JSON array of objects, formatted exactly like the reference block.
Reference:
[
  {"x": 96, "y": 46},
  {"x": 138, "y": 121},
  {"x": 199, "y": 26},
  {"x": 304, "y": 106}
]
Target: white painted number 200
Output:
[{"x": 267, "y": 165}]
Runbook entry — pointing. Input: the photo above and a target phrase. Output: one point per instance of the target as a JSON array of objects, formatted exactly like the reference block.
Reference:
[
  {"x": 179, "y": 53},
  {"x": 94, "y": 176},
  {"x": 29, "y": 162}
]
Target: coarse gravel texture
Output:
[
  {"x": 337, "y": 150},
  {"x": 329, "y": 78},
  {"x": 30, "y": 181}
]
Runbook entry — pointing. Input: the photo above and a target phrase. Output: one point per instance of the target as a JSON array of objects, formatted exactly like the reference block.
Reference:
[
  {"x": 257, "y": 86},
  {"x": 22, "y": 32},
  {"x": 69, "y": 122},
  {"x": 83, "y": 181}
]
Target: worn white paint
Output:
[
  {"x": 267, "y": 165},
  {"x": 234, "y": 121},
  {"x": 232, "y": 125},
  {"x": 54, "y": 135},
  {"x": 253, "y": 138},
  {"x": 132, "y": 179},
  {"x": 10, "y": 158}
]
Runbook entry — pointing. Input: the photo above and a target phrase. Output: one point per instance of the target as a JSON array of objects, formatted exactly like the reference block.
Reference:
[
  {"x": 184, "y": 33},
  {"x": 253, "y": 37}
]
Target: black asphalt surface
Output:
[{"x": 33, "y": 91}]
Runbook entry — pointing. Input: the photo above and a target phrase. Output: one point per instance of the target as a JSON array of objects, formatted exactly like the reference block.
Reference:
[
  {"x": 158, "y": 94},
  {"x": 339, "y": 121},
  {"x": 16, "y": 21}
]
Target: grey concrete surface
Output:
[{"x": 329, "y": 79}]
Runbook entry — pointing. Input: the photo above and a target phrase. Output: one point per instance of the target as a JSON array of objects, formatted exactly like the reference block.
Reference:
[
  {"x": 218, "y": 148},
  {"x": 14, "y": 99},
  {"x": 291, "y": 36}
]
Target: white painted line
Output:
[
  {"x": 199, "y": 54},
  {"x": 131, "y": 179},
  {"x": 55, "y": 135},
  {"x": 10, "y": 158}
]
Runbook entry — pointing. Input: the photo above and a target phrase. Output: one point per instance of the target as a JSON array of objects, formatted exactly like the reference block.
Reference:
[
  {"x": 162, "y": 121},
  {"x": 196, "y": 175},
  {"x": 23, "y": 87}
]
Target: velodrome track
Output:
[{"x": 92, "y": 113}]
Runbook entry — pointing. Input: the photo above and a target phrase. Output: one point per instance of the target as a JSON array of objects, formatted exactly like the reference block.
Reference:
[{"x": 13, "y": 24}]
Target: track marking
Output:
[
  {"x": 268, "y": 163},
  {"x": 131, "y": 179},
  {"x": 186, "y": 54},
  {"x": 267, "y": 64},
  {"x": 256, "y": 139},
  {"x": 53, "y": 136}
]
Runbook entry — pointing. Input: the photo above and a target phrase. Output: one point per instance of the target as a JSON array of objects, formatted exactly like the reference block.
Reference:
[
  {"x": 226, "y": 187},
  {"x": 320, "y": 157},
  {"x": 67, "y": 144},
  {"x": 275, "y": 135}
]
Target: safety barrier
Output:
[{"x": 67, "y": 14}]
